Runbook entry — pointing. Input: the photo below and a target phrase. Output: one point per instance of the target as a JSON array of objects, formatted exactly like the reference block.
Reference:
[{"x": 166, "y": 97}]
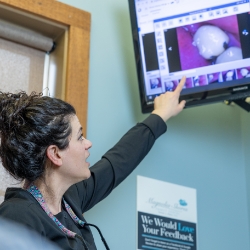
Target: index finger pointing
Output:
[{"x": 181, "y": 84}]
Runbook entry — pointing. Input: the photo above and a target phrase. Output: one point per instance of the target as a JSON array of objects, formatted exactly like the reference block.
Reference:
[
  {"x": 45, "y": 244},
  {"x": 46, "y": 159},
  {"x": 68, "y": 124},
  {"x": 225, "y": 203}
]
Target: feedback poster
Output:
[{"x": 166, "y": 216}]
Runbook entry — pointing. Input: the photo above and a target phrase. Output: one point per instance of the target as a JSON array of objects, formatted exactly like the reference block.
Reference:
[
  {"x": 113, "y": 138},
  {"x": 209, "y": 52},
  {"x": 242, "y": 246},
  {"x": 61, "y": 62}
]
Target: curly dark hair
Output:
[{"x": 28, "y": 125}]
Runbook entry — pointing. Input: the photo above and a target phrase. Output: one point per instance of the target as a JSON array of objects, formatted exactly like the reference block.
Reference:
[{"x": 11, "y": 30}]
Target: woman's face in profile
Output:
[{"x": 74, "y": 164}]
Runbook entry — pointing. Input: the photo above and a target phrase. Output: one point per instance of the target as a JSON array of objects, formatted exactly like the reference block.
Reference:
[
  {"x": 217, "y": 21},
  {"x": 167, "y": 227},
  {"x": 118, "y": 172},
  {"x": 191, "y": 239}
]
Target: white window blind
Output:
[
  {"x": 22, "y": 35},
  {"x": 22, "y": 57}
]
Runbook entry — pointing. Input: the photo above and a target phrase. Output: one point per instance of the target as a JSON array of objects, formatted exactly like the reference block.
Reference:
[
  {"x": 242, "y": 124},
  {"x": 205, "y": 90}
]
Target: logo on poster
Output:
[
  {"x": 181, "y": 205},
  {"x": 183, "y": 202}
]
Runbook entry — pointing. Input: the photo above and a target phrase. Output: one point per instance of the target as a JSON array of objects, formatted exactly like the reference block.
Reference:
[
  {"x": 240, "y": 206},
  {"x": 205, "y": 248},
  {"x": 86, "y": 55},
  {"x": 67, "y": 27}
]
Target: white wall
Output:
[{"x": 202, "y": 149}]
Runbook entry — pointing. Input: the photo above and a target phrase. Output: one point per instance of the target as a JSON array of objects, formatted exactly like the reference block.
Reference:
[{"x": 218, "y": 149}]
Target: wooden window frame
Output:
[{"x": 77, "y": 47}]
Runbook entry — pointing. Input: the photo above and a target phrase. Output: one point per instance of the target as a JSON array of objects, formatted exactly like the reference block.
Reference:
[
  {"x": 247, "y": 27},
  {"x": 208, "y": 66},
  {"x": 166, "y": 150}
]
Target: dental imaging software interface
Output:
[{"x": 199, "y": 39}]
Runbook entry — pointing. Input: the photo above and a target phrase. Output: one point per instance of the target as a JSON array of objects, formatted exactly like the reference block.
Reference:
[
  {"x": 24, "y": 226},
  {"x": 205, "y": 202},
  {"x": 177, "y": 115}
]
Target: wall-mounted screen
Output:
[{"x": 208, "y": 41}]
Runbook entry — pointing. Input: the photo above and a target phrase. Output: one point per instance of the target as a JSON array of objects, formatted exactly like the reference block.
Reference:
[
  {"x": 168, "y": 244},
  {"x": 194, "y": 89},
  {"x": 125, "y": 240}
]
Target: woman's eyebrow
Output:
[{"x": 79, "y": 131}]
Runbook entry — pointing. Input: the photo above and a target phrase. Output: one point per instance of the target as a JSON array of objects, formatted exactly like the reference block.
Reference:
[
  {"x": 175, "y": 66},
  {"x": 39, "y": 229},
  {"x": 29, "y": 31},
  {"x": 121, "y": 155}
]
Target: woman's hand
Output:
[{"x": 167, "y": 105}]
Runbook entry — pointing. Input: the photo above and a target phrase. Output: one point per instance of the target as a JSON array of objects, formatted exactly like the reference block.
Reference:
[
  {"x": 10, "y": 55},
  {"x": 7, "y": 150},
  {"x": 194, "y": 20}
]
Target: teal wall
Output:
[
  {"x": 206, "y": 148},
  {"x": 246, "y": 145}
]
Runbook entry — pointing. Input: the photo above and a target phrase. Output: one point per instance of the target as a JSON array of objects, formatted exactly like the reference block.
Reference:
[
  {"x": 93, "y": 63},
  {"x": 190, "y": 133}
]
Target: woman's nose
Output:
[{"x": 88, "y": 144}]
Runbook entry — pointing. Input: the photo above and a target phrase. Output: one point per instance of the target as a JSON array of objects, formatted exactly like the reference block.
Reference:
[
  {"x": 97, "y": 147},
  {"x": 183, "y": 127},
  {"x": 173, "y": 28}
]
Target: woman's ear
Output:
[{"x": 53, "y": 153}]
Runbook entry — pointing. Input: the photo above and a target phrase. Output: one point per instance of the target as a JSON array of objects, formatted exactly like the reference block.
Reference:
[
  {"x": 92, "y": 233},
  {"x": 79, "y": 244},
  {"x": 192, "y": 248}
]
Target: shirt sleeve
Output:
[{"x": 119, "y": 161}]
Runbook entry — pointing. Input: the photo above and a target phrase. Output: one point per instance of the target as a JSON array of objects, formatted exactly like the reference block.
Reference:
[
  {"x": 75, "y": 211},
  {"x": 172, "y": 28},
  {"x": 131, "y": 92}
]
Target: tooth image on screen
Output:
[
  {"x": 196, "y": 81},
  {"x": 169, "y": 85},
  {"x": 229, "y": 55},
  {"x": 210, "y": 77},
  {"x": 244, "y": 72},
  {"x": 229, "y": 75},
  {"x": 210, "y": 41}
]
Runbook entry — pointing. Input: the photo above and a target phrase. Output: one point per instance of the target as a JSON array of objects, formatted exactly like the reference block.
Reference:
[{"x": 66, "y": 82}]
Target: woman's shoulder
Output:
[
  {"x": 21, "y": 207},
  {"x": 16, "y": 200}
]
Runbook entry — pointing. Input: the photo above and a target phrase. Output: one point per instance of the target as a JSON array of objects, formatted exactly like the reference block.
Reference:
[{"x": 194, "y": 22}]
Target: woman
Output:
[{"x": 42, "y": 143}]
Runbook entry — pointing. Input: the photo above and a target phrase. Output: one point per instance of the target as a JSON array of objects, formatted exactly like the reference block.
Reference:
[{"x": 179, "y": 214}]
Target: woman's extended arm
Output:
[{"x": 125, "y": 156}]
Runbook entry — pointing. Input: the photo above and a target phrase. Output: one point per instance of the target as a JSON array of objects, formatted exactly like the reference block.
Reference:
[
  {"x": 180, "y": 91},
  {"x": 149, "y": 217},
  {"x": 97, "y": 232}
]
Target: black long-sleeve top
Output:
[{"x": 106, "y": 174}]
